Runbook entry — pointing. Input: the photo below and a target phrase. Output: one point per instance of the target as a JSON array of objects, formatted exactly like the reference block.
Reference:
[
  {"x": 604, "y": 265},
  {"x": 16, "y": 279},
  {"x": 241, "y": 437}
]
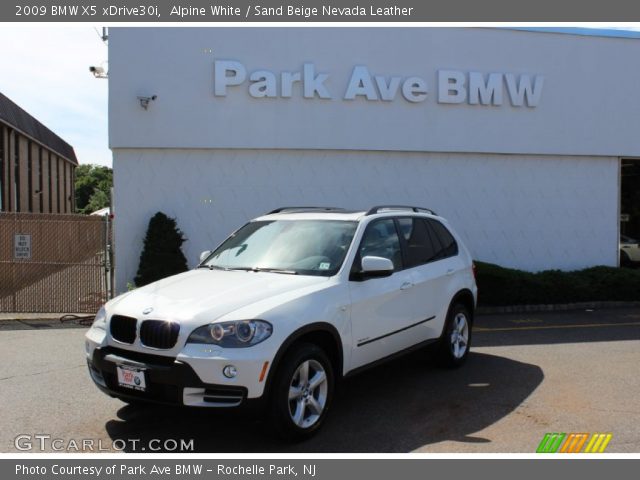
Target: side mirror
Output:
[
  {"x": 376, "y": 267},
  {"x": 204, "y": 255}
]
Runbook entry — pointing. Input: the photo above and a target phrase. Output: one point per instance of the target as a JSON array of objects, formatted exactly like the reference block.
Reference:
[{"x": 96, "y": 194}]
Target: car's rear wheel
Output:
[
  {"x": 302, "y": 392},
  {"x": 455, "y": 342},
  {"x": 625, "y": 260}
]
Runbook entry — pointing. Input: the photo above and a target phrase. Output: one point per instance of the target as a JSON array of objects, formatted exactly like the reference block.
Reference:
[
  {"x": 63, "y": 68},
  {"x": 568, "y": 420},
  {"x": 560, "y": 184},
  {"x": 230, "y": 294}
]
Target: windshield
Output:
[{"x": 306, "y": 247}]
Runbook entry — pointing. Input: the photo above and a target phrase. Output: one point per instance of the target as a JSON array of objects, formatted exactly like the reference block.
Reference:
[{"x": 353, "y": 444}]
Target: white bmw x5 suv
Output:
[{"x": 285, "y": 307}]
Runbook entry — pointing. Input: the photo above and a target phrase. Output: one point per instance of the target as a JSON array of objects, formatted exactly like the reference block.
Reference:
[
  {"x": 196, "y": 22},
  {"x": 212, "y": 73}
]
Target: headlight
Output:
[
  {"x": 243, "y": 333},
  {"x": 101, "y": 320}
]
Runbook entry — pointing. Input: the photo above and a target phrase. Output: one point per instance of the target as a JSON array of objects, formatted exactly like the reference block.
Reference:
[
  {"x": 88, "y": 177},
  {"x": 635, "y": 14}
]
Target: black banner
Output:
[
  {"x": 315, "y": 469},
  {"x": 187, "y": 11}
]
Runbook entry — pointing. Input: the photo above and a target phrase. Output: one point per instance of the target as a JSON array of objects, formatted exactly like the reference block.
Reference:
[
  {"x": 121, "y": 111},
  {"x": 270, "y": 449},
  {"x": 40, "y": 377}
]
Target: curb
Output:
[{"x": 562, "y": 307}]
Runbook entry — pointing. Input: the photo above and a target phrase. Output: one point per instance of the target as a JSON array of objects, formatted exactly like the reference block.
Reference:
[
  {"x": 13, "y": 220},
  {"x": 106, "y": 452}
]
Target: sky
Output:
[{"x": 46, "y": 72}]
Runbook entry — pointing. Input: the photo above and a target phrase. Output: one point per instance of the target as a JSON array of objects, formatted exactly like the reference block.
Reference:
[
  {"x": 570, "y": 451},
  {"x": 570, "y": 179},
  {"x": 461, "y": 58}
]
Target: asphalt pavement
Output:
[{"x": 528, "y": 374}]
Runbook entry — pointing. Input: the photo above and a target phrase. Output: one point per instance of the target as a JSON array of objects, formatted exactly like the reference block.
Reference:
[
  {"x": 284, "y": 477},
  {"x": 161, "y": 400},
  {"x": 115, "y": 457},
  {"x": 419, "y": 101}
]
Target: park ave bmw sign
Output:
[{"x": 453, "y": 86}]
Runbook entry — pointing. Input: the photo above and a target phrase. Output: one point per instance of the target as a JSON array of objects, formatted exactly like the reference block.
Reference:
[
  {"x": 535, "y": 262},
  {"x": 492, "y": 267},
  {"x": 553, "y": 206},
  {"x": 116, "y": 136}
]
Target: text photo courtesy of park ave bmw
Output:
[{"x": 295, "y": 239}]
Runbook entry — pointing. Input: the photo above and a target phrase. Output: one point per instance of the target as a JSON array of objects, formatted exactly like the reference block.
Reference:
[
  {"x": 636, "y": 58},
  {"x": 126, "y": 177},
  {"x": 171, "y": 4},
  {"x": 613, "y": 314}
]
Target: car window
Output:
[
  {"x": 381, "y": 240},
  {"x": 448, "y": 245},
  {"x": 420, "y": 246}
]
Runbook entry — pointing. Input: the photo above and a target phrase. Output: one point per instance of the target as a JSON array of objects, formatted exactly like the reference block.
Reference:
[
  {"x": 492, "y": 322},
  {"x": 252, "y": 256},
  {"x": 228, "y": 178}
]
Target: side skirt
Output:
[{"x": 388, "y": 358}]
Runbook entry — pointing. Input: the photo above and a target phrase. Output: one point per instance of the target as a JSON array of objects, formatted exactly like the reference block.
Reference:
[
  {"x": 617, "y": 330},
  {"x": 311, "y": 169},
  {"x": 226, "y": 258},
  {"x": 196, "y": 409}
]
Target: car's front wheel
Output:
[{"x": 302, "y": 392}]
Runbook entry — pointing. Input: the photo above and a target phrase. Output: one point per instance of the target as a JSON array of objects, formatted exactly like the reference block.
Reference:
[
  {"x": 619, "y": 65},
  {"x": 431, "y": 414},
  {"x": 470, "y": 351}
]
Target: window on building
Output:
[
  {"x": 58, "y": 189},
  {"x": 73, "y": 191},
  {"x": 2, "y": 179},
  {"x": 50, "y": 182},
  {"x": 16, "y": 171},
  {"x": 40, "y": 181},
  {"x": 65, "y": 195},
  {"x": 30, "y": 176}
]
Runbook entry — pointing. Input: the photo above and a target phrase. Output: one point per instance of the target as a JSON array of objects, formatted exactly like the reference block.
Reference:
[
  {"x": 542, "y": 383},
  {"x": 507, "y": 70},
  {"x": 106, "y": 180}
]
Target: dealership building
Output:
[{"x": 517, "y": 137}]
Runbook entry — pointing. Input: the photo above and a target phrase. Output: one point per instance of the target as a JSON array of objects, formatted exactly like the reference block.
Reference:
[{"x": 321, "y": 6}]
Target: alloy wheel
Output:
[
  {"x": 308, "y": 393},
  {"x": 459, "y": 335}
]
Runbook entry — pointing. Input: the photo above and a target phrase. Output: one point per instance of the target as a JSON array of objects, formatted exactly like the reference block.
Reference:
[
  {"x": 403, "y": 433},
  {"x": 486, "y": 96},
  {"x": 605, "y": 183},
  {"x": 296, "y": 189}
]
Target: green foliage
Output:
[
  {"x": 498, "y": 286},
  {"x": 92, "y": 187},
  {"x": 98, "y": 200},
  {"x": 162, "y": 254}
]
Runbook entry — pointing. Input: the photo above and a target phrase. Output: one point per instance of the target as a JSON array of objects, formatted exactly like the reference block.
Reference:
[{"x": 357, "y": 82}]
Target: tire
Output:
[
  {"x": 298, "y": 408},
  {"x": 625, "y": 260},
  {"x": 455, "y": 342}
]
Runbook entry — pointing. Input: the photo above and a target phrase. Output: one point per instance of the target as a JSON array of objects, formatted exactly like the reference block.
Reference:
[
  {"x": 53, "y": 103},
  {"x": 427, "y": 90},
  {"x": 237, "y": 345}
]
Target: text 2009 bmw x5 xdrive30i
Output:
[{"x": 286, "y": 306}]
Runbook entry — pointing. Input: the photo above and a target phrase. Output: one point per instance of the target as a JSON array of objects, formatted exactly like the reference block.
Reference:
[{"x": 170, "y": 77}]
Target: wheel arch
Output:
[
  {"x": 466, "y": 298},
  {"x": 324, "y": 335}
]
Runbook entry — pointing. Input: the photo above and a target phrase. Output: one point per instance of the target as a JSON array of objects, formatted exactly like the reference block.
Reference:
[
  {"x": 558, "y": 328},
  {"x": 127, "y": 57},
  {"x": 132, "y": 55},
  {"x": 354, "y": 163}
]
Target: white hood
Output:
[{"x": 204, "y": 295}]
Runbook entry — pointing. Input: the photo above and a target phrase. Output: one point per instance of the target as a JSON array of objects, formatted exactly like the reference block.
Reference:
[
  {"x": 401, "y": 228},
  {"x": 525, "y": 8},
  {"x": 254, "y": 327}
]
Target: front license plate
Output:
[{"x": 131, "y": 377}]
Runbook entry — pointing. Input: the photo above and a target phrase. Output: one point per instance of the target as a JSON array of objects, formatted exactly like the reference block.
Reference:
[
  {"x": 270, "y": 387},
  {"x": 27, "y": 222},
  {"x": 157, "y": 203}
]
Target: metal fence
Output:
[{"x": 54, "y": 263}]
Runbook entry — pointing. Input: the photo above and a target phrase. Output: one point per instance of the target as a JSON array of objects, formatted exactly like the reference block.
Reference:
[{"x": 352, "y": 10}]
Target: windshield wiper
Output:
[
  {"x": 250, "y": 269},
  {"x": 274, "y": 270},
  {"x": 216, "y": 267}
]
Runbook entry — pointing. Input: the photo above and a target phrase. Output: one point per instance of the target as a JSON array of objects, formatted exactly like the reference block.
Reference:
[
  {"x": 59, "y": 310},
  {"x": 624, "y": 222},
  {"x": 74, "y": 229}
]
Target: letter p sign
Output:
[{"x": 227, "y": 72}]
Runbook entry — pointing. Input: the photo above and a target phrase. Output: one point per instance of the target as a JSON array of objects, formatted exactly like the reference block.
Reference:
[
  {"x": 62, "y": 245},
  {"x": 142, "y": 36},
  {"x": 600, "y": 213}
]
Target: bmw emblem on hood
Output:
[{"x": 147, "y": 310}]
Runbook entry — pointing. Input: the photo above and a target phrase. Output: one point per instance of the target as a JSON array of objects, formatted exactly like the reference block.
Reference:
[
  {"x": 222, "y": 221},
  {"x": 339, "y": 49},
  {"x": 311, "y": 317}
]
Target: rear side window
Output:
[
  {"x": 419, "y": 242},
  {"x": 445, "y": 241}
]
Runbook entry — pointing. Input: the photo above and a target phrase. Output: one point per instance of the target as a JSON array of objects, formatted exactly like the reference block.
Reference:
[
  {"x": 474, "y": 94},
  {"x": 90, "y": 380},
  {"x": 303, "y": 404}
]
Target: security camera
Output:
[
  {"x": 144, "y": 101},
  {"x": 98, "y": 72}
]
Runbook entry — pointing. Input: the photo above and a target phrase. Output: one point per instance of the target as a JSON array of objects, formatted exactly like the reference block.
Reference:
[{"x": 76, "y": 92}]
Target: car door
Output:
[
  {"x": 429, "y": 285},
  {"x": 381, "y": 308},
  {"x": 447, "y": 271}
]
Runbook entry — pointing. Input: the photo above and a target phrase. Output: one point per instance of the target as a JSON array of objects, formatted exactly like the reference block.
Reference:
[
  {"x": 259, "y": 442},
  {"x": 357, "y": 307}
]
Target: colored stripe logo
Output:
[{"x": 574, "y": 443}]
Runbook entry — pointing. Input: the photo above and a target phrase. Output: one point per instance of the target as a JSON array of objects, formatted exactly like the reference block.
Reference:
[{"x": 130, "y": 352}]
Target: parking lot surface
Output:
[{"x": 528, "y": 374}]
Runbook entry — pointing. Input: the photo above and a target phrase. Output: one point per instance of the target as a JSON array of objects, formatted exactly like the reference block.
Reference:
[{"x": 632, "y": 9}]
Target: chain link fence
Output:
[{"x": 54, "y": 263}]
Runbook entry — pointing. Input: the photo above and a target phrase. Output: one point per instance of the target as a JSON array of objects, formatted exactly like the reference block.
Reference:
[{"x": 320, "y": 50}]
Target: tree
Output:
[
  {"x": 92, "y": 187},
  {"x": 98, "y": 200},
  {"x": 162, "y": 253}
]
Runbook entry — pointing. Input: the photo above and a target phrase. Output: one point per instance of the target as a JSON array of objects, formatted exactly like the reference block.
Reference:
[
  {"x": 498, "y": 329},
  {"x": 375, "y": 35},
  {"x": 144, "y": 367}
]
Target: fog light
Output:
[{"x": 230, "y": 371}]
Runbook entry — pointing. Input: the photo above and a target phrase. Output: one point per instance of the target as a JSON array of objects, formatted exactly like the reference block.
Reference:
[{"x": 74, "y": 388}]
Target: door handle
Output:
[
  {"x": 406, "y": 286},
  {"x": 450, "y": 271}
]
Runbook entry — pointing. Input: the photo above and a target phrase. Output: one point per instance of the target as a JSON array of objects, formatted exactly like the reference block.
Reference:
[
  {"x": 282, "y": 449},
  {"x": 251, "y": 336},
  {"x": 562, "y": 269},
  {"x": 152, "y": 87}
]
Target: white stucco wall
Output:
[
  {"x": 529, "y": 212},
  {"x": 531, "y": 186}
]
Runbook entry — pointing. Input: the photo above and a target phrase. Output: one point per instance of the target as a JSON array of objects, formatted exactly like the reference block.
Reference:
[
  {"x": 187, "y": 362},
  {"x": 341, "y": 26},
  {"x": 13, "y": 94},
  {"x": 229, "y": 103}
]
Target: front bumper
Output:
[{"x": 168, "y": 381}]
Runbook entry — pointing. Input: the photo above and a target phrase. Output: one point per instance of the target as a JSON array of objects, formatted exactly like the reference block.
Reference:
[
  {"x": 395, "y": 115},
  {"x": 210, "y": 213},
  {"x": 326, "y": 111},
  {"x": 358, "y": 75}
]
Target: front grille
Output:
[
  {"x": 123, "y": 329},
  {"x": 159, "y": 334}
]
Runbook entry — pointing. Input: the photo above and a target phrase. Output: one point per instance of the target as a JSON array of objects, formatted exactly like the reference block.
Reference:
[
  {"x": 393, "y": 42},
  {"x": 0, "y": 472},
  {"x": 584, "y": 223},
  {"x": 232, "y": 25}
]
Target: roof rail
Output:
[
  {"x": 377, "y": 209},
  {"x": 305, "y": 209}
]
